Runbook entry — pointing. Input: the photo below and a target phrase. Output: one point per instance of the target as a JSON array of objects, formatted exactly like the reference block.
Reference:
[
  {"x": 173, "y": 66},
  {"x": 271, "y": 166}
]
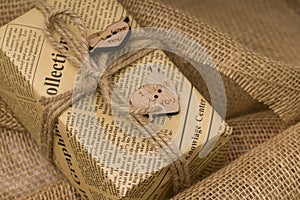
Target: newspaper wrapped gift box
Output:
[{"x": 31, "y": 68}]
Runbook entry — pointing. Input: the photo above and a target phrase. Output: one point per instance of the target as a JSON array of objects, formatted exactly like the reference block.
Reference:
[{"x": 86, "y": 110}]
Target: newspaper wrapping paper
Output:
[{"x": 33, "y": 69}]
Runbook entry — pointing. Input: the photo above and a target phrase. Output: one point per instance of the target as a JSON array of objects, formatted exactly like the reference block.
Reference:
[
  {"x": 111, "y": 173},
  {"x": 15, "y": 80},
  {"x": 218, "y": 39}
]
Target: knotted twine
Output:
[{"x": 77, "y": 53}]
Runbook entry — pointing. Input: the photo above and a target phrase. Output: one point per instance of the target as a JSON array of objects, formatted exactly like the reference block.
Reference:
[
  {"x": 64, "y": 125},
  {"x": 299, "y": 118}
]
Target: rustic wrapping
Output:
[{"x": 263, "y": 28}]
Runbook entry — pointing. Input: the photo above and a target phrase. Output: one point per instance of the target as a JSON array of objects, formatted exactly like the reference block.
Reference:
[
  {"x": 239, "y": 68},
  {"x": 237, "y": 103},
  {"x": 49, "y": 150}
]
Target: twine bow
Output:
[{"x": 77, "y": 53}]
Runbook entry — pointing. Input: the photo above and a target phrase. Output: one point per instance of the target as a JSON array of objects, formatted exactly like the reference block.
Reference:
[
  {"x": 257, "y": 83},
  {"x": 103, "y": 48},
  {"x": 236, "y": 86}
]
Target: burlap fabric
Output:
[
  {"x": 270, "y": 171},
  {"x": 260, "y": 32}
]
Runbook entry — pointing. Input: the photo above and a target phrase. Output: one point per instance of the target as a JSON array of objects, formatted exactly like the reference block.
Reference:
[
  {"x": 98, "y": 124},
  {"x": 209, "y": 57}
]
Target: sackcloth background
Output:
[{"x": 263, "y": 160}]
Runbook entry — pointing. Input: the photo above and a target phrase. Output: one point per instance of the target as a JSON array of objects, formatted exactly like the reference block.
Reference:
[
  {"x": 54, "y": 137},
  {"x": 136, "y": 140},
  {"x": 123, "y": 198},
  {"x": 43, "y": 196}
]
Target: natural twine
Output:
[{"x": 77, "y": 53}]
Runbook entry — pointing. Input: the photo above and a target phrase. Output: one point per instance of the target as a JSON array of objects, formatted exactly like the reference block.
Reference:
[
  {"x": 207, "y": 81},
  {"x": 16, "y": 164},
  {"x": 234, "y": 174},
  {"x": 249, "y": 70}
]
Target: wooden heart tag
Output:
[
  {"x": 156, "y": 95},
  {"x": 112, "y": 37}
]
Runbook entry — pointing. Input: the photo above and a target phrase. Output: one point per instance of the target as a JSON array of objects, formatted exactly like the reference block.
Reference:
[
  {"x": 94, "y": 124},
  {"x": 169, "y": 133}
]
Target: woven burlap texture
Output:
[
  {"x": 11, "y": 9},
  {"x": 270, "y": 171}
]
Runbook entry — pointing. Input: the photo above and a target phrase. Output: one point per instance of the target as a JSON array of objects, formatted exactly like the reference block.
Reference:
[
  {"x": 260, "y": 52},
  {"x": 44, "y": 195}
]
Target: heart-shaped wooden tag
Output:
[{"x": 112, "y": 37}]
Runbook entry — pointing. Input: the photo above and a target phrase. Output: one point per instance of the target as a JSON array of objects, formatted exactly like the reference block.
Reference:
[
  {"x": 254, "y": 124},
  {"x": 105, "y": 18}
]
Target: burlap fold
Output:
[
  {"x": 252, "y": 130},
  {"x": 270, "y": 171}
]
